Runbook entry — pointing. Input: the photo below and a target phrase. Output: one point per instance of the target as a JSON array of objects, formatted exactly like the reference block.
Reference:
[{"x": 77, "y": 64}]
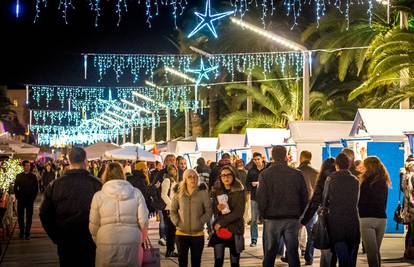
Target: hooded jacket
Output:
[
  {"x": 233, "y": 221},
  {"x": 190, "y": 213},
  {"x": 118, "y": 212}
]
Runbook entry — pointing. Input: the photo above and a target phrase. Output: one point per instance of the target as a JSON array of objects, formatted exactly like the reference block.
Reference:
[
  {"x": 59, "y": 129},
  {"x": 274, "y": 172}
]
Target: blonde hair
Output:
[
  {"x": 113, "y": 171},
  {"x": 182, "y": 188}
]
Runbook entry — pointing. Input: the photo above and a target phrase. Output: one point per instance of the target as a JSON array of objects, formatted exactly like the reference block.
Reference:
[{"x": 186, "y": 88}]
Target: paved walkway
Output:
[{"x": 40, "y": 251}]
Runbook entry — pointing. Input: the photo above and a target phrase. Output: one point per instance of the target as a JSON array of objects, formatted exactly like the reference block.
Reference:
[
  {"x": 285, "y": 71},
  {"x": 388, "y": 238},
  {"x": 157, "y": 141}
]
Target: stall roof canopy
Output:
[
  {"x": 183, "y": 147},
  {"x": 96, "y": 151},
  {"x": 264, "y": 137},
  {"x": 206, "y": 143},
  {"x": 130, "y": 153},
  {"x": 230, "y": 141},
  {"x": 377, "y": 123},
  {"x": 319, "y": 131}
]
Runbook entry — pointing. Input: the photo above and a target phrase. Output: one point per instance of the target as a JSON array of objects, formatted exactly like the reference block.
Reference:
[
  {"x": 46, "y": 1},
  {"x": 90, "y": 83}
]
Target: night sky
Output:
[{"x": 48, "y": 52}]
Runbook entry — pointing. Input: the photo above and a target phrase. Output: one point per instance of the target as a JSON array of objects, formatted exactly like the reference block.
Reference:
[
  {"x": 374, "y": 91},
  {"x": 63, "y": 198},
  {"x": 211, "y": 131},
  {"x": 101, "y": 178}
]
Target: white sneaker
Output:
[{"x": 162, "y": 242}]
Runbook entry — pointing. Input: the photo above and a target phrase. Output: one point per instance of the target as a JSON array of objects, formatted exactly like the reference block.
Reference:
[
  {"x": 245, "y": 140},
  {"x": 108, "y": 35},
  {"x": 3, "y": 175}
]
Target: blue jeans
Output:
[
  {"x": 253, "y": 225},
  {"x": 309, "y": 242},
  {"x": 273, "y": 231},
  {"x": 162, "y": 225},
  {"x": 347, "y": 253}
]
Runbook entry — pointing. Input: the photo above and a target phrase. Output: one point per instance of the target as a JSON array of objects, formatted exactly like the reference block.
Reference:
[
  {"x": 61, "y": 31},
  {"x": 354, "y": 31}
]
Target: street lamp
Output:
[{"x": 291, "y": 45}]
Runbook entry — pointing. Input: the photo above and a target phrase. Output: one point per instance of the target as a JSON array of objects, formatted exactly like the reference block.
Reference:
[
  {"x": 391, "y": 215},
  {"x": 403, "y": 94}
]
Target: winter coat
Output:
[
  {"x": 342, "y": 202},
  {"x": 64, "y": 212},
  {"x": 310, "y": 175},
  {"x": 48, "y": 177},
  {"x": 373, "y": 199},
  {"x": 190, "y": 213},
  {"x": 167, "y": 191},
  {"x": 253, "y": 176},
  {"x": 242, "y": 176},
  {"x": 26, "y": 187},
  {"x": 204, "y": 174},
  {"x": 118, "y": 212},
  {"x": 137, "y": 180},
  {"x": 232, "y": 221},
  {"x": 316, "y": 200},
  {"x": 282, "y": 192}
]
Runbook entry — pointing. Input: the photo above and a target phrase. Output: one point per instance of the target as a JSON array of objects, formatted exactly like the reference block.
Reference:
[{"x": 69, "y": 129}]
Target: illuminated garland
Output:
[
  {"x": 138, "y": 64},
  {"x": 295, "y": 7},
  {"x": 268, "y": 8},
  {"x": 8, "y": 171},
  {"x": 56, "y": 117},
  {"x": 145, "y": 65},
  {"x": 151, "y": 8},
  {"x": 87, "y": 99}
]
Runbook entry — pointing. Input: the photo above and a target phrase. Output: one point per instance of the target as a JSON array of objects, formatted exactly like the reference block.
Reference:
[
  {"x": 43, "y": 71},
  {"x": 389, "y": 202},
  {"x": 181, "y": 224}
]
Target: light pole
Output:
[
  {"x": 167, "y": 110},
  {"x": 291, "y": 45}
]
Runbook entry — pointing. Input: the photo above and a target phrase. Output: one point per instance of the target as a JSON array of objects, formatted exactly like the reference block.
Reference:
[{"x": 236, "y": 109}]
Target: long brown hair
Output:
[
  {"x": 375, "y": 171},
  {"x": 113, "y": 171}
]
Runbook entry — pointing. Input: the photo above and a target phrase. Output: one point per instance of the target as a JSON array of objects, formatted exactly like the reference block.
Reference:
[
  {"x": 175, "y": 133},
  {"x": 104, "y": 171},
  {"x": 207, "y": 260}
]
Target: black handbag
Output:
[
  {"x": 320, "y": 234},
  {"x": 398, "y": 211}
]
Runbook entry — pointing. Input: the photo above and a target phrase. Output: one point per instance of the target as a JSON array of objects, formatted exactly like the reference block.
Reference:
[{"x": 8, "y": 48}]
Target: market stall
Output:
[
  {"x": 312, "y": 135},
  {"x": 258, "y": 139},
  {"x": 380, "y": 133}
]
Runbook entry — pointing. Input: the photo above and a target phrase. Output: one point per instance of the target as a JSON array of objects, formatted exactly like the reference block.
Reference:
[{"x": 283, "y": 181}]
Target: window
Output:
[{"x": 15, "y": 103}]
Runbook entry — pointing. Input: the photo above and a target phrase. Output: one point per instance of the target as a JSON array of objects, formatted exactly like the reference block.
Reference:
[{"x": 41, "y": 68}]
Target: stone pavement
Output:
[{"x": 40, "y": 251}]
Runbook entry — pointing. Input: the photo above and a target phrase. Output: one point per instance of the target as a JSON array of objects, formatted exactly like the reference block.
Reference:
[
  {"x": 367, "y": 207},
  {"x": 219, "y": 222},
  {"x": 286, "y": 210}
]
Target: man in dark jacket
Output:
[
  {"x": 310, "y": 175},
  {"x": 282, "y": 197},
  {"x": 64, "y": 212},
  {"x": 252, "y": 182},
  {"x": 25, "y": 189}
]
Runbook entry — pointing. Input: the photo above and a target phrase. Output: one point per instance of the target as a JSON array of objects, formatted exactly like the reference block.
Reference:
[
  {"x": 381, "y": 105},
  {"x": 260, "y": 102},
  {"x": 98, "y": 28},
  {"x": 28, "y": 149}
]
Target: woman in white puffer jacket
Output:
[{"x": 118, "y": 220}]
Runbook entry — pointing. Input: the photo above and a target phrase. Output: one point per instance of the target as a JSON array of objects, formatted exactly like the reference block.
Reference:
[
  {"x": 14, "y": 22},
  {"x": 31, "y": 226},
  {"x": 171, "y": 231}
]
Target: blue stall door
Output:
[
  {"x": 333, "y": 151},
  {"x": 392, "y": 156}
]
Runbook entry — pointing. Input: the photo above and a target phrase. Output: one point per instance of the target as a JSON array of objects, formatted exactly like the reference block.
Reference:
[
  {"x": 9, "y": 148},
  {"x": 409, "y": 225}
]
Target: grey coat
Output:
[{"x": 190, "y": 213}]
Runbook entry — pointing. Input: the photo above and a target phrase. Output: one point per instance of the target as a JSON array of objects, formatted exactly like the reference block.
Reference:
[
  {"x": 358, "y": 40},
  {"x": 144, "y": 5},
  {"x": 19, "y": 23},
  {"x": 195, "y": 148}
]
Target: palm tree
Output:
[
  {"x": 334, "y": 32},
  {"x": 391, "y": 57}
]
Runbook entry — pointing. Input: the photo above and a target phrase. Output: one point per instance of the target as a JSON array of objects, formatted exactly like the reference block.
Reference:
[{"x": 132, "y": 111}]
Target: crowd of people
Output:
[{"x": 97, "y": 213}]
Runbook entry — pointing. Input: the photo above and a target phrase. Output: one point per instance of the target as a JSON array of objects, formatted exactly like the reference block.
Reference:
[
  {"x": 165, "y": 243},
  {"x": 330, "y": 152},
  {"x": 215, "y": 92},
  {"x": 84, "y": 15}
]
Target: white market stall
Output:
[
  {"x": 131, "y": 153},
  {"x": 382, "y": 131},
  {"x": 260, "y": 139},
  {"x": 97, "y": 150},
  {"x": 312, "y": 135},
  {"x": 207, "y": 147}
]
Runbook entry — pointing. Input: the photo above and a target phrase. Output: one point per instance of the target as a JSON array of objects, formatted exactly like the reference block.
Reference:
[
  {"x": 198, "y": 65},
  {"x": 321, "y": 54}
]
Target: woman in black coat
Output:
[
  {"x": 343, "y": 220},
  {"x": 232, "y": 221},
  {"x": 47, "y": 177}
]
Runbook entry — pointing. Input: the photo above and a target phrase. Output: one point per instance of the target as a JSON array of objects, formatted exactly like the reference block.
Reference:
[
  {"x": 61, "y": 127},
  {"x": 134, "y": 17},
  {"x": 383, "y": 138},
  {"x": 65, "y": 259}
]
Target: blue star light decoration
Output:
[
  {"x": 207, "y": 20},
  {"x": 202, "y": 71}
]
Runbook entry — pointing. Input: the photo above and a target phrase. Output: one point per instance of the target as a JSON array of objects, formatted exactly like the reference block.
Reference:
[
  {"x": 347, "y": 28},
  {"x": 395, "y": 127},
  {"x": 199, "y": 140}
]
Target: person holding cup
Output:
[{"x": 228, "y": 208}]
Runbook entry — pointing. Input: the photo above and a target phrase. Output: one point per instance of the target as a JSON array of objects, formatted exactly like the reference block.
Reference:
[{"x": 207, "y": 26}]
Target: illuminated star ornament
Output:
[
  {"x": 207, "y": 20},
  {"x": 202, "y": 71}
]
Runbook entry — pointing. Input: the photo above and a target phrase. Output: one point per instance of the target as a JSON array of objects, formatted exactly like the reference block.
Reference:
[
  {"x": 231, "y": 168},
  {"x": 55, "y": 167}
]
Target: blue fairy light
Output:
[
  {"x": 207, "y": 20},
  {"x": 202, "y": 72}
]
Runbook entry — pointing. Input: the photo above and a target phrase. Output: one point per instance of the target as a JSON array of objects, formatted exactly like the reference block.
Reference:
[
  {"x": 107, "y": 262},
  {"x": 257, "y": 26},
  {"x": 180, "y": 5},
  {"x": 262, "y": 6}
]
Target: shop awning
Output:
[
  {"x": 383, "y": 124},
  {"x": 319, "y": 131}
]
